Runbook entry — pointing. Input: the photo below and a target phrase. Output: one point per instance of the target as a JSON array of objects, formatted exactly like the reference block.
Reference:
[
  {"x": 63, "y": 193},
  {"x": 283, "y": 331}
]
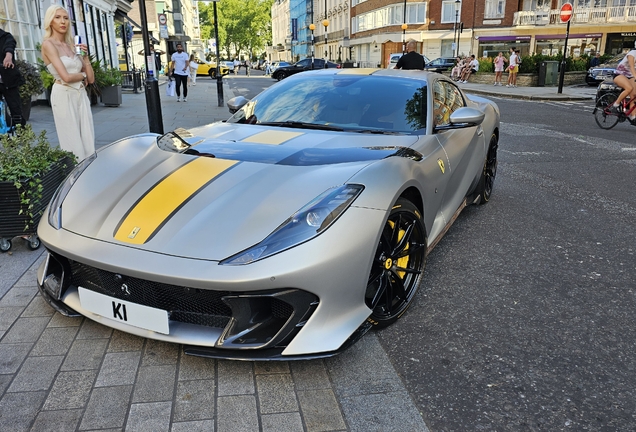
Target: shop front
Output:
[
  {"x": 491, "y": 46},
  {"x": 619, "y": 42},
  {"x": 578, "y": 44}
]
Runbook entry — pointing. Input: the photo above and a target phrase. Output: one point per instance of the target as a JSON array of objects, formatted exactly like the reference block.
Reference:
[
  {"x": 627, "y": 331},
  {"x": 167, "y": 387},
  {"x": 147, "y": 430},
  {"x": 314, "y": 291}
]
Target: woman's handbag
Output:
[{"x": 170, "y": 89}]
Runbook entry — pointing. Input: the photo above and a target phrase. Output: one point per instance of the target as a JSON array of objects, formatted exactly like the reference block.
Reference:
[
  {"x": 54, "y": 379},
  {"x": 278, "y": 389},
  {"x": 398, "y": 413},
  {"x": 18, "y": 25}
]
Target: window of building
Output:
[
  {"x": 495, "y": 9},
  {"x": 448, "y": 12},
  {"x": 388, "y": 16}
]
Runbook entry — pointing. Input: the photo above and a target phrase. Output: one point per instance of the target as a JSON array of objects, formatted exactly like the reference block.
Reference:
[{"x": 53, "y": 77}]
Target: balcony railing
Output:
[{"x": 614, "y": 14}]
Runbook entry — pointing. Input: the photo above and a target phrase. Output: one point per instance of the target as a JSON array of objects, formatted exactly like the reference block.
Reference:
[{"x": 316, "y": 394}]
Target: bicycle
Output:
[{"x": 607, "y": 119}]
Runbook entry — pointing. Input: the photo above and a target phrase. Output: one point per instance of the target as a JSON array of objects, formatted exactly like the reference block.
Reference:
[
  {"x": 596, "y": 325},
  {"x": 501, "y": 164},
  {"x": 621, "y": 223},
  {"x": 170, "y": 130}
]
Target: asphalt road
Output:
[{"x": 525, "y": 318}]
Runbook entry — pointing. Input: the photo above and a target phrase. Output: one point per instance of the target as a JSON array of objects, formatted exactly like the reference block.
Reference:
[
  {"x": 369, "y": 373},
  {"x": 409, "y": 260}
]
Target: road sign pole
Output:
[
  {"x": 565, "y": 15},
  {"x": 563, "y": 60}
]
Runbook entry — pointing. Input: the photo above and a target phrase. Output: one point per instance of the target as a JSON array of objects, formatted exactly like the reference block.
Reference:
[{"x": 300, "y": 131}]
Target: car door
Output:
[
  {"x": 303, "y": 65},
  {"x": 461, "y": 145}
]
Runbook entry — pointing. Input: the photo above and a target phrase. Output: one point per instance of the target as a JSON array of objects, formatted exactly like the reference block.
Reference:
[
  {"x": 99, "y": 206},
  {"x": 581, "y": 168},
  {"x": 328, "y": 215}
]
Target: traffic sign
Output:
[
  {"x": 566, "y": 12},
  {"x": 163, "y": 20}
]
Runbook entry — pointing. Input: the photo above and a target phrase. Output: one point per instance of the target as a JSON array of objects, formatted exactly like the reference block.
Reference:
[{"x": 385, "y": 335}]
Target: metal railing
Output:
[
  {"x": 614, "y": 14},
  {"x": 133, "y": 80}
]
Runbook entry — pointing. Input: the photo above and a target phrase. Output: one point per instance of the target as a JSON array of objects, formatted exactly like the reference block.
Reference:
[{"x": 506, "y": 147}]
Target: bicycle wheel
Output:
[{"x": 604, "y": 118}]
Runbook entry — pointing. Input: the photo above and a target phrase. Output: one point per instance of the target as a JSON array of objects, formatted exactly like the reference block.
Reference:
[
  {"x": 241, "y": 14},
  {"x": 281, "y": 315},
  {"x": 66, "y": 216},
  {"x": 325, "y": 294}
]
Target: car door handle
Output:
[{"x": 480, "y": 131}]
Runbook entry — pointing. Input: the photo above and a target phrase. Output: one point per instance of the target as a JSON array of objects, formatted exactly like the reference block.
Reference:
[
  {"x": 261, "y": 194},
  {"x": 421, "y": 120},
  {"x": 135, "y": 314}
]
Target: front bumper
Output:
[{"x": 306, "y": 302}]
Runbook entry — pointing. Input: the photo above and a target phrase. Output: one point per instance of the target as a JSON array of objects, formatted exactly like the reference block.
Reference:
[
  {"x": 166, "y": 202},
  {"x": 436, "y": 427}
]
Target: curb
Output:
[{"x": 564, "y": 98}]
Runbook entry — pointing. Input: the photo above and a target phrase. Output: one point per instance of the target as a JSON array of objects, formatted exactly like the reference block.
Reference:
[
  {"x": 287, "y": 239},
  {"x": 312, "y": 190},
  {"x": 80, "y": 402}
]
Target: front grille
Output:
[{"x": 184, "y": 304}]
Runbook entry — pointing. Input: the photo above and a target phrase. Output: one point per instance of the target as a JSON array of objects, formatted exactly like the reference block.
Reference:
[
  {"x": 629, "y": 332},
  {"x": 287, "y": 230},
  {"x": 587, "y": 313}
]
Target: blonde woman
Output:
[
  {"x": 72, "y": 72},
  {"x": 194, "y": 66}
]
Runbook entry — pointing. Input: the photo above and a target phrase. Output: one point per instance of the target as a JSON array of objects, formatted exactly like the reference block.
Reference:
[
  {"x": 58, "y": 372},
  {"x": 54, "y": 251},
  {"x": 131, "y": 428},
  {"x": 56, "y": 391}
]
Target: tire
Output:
[
  {"x": 280, "y": 76},
  {"x": 212, "y": 73},
  {"x": 398, "y": 265},
  {"x": 5, "y": 245},
  {"x": 489, "y": 172},
  {"x": 604, "y": 119},
  {"x": 34, "y": 242}
]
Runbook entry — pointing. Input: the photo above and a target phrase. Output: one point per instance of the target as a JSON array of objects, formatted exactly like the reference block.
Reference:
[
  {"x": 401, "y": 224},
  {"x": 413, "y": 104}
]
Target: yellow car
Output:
[{"x": 210, "y": 69}]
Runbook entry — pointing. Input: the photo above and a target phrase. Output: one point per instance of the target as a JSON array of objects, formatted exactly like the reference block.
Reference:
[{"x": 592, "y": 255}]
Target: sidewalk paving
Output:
[{"x": 73, "y": 374}]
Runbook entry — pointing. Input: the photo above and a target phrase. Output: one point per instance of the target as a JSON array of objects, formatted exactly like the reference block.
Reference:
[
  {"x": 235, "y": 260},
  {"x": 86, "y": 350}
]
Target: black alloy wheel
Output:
[
  {"x": 490, "y": 171},
  {"x": 212, "y": 73},
  {"x": 281, "y": 75},
  {"x": 398, "y": 264},
  {"x": 604, "y": 118}
]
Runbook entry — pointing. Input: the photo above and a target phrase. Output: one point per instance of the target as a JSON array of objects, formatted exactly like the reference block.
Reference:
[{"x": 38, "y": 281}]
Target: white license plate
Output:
[{"x": 134, "y": 314}]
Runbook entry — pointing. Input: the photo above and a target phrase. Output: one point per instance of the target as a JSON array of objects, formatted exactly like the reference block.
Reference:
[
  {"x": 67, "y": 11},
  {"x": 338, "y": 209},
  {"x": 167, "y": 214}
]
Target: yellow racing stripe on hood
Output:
[
  {"x": 156, "y": 207},
  {"x": 274, "y": 137}
]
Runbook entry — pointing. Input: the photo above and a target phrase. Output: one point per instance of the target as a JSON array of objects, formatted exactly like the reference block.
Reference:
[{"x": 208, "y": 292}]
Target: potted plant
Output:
[
  {"x": 30, "y": 172},
  {"x": 109, "y": 82},
  {"x": 32, "y": 86},
  {"x": 47, "y": 80}
]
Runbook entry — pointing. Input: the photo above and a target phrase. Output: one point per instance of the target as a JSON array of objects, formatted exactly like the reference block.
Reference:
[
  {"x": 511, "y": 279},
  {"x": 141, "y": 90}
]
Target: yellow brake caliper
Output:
[{"x": 401, "y": 262}]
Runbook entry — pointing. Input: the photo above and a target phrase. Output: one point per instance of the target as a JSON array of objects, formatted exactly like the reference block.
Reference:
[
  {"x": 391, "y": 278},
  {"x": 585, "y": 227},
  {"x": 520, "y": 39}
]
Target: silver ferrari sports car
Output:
[{"x": 285, "y": 232}]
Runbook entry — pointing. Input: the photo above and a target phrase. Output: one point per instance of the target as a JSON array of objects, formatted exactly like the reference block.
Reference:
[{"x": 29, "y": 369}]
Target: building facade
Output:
[{"x": 368, "y": 31}]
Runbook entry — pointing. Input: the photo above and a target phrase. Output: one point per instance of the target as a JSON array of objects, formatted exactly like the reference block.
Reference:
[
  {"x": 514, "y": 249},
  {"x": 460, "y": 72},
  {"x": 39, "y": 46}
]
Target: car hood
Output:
[{"x": 223, "y": 194}]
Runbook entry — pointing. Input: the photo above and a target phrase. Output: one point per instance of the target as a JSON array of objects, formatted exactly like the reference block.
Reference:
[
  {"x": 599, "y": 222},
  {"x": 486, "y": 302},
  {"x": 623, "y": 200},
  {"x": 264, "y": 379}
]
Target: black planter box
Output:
[{"x": 12, "y": 223}]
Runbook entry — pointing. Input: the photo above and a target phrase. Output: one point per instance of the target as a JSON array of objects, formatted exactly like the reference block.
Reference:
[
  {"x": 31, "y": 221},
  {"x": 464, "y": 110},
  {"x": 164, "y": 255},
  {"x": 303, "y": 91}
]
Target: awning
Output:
[{"x": 183, "y": 38}]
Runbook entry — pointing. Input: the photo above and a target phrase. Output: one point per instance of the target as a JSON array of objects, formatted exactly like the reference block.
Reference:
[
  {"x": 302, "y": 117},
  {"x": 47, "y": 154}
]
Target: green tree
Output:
[{"x": 244, "y": 25}]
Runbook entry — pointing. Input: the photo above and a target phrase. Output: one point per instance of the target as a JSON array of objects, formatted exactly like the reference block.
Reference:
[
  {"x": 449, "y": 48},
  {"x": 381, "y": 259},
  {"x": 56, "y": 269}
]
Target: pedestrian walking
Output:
[
  {"x": 11, "y": 79},
  {"x": 412, "y": 60},
  {"x": 237, "y": 66},
  {"x": 513, "y": 67},
  {"x": 72, "y": 72},
  {"x": 268, "y": 69},
  {"x": 181, "y": 71},
  {"x": 194, "y": 67},
  {"x": 248, "y": 64},
  {"x": 499, "y": 67}
]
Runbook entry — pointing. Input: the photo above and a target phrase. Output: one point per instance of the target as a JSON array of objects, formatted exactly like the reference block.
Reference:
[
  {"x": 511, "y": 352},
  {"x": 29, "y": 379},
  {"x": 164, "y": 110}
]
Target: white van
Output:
[{"x": 393, "y": 59}]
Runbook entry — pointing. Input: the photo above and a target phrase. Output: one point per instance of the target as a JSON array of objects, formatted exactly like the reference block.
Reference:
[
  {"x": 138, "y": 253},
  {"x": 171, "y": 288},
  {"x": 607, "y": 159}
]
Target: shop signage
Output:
[{"x": 628, "y": 34}]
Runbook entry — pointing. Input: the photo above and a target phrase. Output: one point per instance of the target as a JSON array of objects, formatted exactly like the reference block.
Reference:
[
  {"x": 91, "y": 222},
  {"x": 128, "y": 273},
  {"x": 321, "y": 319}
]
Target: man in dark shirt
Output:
[
  {"x": 596, "y": 60},
  {"x": 11, "y": 78},
  {"x": 412, "y": 59}
]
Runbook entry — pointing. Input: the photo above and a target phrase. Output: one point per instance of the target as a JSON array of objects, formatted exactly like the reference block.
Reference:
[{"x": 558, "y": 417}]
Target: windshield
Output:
[{"x": 340, "y": 101}]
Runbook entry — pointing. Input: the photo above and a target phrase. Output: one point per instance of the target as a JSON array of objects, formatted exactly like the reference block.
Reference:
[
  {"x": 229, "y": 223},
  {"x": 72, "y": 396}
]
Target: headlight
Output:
[
  {"x": 55, "y": 207},
  {"x": 305, "y": 224}
]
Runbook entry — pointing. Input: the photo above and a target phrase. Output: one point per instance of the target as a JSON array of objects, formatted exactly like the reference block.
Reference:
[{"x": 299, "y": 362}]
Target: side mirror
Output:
[
  {"x": 468, "y": 116},
  {"x": 236, "y": 103}
]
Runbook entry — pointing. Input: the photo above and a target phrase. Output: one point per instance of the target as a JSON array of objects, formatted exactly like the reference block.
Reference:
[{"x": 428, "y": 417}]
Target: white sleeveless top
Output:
[{"x": 72, "y": 65}]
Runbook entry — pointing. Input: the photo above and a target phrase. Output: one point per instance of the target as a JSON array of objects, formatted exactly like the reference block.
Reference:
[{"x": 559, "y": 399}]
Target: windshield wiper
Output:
[
  {"x": 375, "y": 131},
  {"x": 302, "y": 125}
]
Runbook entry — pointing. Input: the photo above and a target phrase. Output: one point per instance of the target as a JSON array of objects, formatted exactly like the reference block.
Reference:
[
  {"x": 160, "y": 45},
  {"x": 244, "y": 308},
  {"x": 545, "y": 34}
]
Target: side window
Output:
[{"x": 446, "y": 99}]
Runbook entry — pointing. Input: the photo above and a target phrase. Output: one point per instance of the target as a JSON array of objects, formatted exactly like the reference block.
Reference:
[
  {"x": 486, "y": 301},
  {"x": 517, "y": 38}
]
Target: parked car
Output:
[
  {"x": 393, "y": 59},
  {"x": 598, "y": 74},
  {"x": 607, "y": 86},
  {"x": 440, "y": 64},
  {"x": 285, "y": 232},
  {"x": 278, "y": 64},
  {"x": 301, "y": 66},
  {"x": 206, "y": 68},
  {"x": 229, "y": 65}
]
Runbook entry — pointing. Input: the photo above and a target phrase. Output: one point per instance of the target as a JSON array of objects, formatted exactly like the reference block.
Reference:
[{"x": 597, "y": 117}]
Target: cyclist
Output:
[{"x": 624, "y": 77}]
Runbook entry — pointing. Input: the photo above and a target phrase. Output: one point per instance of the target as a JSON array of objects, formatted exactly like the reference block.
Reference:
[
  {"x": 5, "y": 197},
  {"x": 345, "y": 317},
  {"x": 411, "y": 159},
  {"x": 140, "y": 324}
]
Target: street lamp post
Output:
[
  {"x": 404, "y": 27},
  {"x": 325, "y": 23},
  {"x": 312, "y": 27},
  {"x": 153, "y": 101},
  {"x": 219, "y": 78},
  {"x": 458, "y": 5}
]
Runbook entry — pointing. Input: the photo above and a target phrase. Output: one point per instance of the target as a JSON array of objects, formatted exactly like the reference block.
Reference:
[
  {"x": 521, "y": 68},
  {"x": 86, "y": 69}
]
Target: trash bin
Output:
[{"x": 548, "y": 73}]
